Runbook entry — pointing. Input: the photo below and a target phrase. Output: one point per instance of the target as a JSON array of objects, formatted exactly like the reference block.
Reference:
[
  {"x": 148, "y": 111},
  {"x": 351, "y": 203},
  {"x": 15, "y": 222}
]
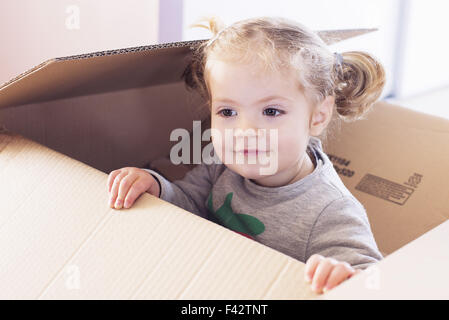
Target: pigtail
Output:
[
  {"x": 359, "y": 81},
  {"x": 213, "y": 24}
]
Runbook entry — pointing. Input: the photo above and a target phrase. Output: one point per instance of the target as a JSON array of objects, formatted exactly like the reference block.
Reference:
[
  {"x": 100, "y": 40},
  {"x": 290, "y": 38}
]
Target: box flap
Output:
[
  {"x": 60, "y": 239},
  {"x": 98, "y": 72}
]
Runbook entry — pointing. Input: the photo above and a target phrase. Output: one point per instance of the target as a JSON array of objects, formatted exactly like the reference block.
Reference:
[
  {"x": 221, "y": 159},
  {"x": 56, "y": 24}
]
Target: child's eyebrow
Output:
[{"x": 266, "y": 99}]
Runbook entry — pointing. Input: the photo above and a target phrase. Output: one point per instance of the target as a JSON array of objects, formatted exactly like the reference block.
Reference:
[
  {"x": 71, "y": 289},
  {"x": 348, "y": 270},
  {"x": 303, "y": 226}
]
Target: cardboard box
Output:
[{"x": 70, "y": 121}]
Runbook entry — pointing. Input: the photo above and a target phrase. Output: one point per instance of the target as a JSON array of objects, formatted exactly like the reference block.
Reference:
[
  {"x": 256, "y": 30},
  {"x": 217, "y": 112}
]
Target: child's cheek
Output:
[
  {"x": 218, "y": 142},
  {"x": 289, "y": 149}
]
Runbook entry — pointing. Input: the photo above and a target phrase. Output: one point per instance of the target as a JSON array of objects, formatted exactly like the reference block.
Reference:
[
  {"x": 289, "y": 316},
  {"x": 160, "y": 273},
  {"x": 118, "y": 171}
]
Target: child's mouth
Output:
[{"x": 247, "y": 152}]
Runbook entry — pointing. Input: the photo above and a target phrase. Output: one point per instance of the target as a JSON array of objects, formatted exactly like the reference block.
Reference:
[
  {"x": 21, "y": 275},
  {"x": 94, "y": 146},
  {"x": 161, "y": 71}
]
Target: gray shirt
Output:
[{"x": 314, "y": 215}]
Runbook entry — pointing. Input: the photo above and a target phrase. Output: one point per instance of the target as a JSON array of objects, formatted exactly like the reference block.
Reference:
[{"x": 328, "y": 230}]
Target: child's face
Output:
[{"x": 236, "y": 93}]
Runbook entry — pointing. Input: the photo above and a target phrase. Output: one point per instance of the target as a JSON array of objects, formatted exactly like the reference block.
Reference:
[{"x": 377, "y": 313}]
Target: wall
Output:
[
  {"x": 425, "y": 66},
  {"x": 34, "y": 31}
]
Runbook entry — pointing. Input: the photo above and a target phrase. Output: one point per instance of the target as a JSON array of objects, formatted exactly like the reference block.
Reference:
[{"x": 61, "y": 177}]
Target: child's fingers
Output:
[
  {"x": 125, "y": 185},
  {"x": 111, "y": 178},
  {"x": 115, "y": 188},
  {"x": 135, "y": 190},
  {"x": 322, "y": 272},
  {"x": 311, "y": 265},
  {"x": 339, "y": 273},
  {"x": 356, "y": 271}
]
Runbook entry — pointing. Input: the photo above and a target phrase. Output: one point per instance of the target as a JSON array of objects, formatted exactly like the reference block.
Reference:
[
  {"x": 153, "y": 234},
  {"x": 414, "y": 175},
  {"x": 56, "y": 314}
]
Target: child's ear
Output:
[{"x": 321, "y": 116}]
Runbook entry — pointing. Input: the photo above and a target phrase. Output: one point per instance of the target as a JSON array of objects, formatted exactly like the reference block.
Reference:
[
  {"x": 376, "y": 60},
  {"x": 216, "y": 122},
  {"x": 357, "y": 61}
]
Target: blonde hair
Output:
[{"x": 278, "y": 44}]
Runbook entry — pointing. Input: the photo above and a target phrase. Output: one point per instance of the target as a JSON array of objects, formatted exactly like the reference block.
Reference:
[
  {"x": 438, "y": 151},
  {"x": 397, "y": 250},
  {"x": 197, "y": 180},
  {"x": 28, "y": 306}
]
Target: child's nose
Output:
[
  {"x": 246, "y": 128},
  {"x": 245, "y": 132}
]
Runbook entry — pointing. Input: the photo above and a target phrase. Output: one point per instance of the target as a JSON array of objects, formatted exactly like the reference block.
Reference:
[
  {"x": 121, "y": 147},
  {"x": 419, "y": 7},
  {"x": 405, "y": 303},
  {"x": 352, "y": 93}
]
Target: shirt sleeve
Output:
[
  {"x": 342, "y": 231},
  {"x": 191, "y": 192}
]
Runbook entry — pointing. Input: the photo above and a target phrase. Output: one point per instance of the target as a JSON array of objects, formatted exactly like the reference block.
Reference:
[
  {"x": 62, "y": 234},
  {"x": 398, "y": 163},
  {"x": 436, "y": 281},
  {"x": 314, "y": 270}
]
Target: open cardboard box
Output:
[{"x": 70, "y": 121}]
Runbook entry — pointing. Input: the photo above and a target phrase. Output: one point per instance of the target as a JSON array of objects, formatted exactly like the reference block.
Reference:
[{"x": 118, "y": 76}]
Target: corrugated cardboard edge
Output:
[
  {"x": 27, "y": 73},
  {"x": 178, "y": 44}
]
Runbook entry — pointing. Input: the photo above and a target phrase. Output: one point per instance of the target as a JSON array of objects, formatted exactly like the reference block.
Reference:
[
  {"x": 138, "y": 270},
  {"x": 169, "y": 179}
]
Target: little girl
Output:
[{"x": 275, "y": 74}]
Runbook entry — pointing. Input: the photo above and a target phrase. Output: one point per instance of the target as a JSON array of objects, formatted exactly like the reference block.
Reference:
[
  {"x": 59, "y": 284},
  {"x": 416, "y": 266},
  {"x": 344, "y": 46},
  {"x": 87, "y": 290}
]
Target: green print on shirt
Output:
[{"x": 241, "y": 223}]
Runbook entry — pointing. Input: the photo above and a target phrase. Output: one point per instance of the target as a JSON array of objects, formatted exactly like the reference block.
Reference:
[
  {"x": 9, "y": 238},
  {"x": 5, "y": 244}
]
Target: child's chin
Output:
[{"x": 249, "y": 171}]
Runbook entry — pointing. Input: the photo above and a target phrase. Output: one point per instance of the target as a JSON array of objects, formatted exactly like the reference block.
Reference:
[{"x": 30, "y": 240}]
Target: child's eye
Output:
[
  {"x": 226, "y": 112},
  {"x": 273, "y": 112}
]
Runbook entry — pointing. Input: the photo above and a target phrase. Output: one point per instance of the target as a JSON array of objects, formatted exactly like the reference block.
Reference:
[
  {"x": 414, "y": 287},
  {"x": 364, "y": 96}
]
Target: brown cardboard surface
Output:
[
  {"x": 395, "y": 164},
  {"x": 108, "y": 130},
  {"x": 416, "y": 271},
  {"x": 61, "y": 240},
  {"x": 97, "y": 72}
]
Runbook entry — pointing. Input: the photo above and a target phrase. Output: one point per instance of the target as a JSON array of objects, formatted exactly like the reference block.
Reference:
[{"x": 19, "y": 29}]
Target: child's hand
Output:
[
  {"x": 326, "y": 273},
  {"x": 125, "y": 185}
]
